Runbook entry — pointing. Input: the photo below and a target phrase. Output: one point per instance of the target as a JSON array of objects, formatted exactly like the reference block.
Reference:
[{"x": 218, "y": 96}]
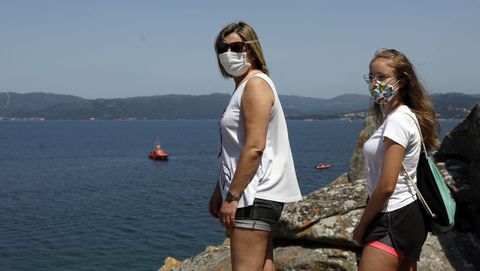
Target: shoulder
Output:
[
  {"x": 258, "y": 81},
  {"x": 258, "y": 87},
  {"x": 400, "y": 126},
  {"x": 403, "y": 115}
]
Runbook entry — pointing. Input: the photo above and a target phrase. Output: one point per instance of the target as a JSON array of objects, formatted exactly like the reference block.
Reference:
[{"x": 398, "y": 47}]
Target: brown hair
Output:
[
  {"x": 247, "y": 33},
  {"x": 411, "y": 93}
]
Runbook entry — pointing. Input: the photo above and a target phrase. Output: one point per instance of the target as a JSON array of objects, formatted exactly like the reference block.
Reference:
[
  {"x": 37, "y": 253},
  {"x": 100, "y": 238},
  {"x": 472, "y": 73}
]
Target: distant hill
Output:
[
  {"x": 454, "y": 105},
  {"x": 11, "y": 102},
  {"x": 55, "y": 106},
  {"x": 154, "y": 107},
  {"x": 298, "y": 106}
]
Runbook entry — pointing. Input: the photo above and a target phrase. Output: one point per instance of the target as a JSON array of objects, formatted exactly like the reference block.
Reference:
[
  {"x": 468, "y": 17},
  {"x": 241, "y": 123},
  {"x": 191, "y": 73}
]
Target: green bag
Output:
[
  {"x": 436, "y": 194},
  {"x": 433, "y": 192}
]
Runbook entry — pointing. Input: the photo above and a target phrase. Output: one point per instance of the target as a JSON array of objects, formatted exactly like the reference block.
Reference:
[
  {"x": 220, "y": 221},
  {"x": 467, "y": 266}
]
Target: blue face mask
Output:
[{"x": 382, "y": 92}]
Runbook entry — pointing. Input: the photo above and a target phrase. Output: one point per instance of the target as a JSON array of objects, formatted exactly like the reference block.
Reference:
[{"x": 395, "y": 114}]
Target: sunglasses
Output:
[{"x": 236, "y": 47}]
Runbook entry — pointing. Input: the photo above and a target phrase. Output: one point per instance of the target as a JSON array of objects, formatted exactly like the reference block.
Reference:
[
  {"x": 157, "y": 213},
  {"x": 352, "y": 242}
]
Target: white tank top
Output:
[{"x": 275, "y": 178}]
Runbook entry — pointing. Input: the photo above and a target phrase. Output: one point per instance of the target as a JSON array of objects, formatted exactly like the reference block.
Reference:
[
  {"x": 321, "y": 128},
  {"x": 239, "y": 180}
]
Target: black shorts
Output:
[
  {"x": 406, "y": 228},
  {"x": 261, "y": 215}
]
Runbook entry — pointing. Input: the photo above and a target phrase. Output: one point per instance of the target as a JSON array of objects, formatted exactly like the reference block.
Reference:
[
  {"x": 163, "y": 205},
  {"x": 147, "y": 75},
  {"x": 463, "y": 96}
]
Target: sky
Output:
[{"x": 117, "y": 49}]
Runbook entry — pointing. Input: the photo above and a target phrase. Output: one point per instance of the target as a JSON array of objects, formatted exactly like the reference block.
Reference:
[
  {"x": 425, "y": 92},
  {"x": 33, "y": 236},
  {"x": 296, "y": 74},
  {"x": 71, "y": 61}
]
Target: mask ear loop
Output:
[{"x": 398, "y": 81}]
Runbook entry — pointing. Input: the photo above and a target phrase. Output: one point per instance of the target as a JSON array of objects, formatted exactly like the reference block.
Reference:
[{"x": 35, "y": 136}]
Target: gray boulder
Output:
[
  {"x": 327, "y": 215},
  {"x": 299, "y": 258},
  {"x": 356, "y": 170},
  {"x": 461, "y": 152}
]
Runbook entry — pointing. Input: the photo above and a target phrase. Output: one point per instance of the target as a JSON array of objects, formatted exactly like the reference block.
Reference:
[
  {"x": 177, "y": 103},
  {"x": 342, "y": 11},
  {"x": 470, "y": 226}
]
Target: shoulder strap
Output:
[
  {"x": 420, "y": 131},
  {"x": 420, "y": 196}
]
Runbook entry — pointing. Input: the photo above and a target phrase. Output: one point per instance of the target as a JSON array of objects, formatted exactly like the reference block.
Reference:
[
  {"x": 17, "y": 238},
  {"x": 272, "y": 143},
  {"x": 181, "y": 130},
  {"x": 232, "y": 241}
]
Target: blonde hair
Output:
[
  {"x": 247, "y": 34},
  {"x": 411, "y": 93}
]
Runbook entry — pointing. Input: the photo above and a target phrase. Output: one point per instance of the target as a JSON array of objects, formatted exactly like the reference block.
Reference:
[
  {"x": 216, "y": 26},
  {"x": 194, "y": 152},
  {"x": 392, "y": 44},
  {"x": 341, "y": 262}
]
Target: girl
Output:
[{"x": 392, "y": 228}]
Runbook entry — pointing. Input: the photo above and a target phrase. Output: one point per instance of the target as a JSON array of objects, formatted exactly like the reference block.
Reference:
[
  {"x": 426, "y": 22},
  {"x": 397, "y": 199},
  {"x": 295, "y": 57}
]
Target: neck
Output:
[
  {"x": 240, "y": 79},
  {"x": 389, "y": 107}
]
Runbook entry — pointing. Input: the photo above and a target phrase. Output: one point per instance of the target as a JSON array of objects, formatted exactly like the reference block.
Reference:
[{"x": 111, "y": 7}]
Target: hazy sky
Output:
[{"x": 106, "y": 49}]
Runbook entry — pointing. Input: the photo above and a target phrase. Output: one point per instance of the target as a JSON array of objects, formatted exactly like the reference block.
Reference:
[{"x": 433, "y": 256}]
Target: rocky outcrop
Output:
[
  {"x": 461, "y": 152},
  {"x": 327, "y": 215},
  {"x": 356, "y": 170},
  {"x": 316, "y": 232},
  {"x": 292, "y": 257},
  {"x": 212, "y": 258}
]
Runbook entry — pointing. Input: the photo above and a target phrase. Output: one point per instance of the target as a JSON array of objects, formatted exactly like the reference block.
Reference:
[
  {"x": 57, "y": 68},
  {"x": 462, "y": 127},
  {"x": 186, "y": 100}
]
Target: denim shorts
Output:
[{"x": 259, "y": 216}]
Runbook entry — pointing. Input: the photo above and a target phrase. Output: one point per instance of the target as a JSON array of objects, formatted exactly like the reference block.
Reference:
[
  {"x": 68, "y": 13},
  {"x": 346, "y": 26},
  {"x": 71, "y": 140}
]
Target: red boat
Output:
[
  {"x": 322, "y": 166},
  {"x": 158, "y": 153}
]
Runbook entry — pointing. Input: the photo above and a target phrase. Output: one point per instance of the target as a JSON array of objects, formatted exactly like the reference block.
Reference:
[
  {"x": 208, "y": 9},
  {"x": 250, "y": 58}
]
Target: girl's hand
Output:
[{"x": 358, "y": 234}]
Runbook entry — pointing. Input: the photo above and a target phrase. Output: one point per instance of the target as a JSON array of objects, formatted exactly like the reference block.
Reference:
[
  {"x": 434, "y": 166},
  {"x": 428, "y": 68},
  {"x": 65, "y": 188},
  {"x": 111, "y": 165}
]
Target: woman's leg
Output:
[
  {"x": 376, "y": 259},
  {"x": 248, "y": 249}
]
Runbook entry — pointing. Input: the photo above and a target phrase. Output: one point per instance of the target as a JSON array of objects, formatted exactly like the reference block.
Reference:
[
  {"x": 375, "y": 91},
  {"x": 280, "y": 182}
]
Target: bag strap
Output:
[{"x": 419, "y": 195}]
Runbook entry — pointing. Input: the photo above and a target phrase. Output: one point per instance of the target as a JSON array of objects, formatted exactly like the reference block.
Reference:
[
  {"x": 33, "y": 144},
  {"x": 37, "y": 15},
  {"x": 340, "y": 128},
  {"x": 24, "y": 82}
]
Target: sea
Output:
[{"x": 83, "y": 195}]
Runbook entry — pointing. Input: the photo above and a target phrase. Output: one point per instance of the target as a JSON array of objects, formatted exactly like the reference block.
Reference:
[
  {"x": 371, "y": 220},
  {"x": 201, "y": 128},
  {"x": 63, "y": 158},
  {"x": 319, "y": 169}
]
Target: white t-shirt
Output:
[
  {"x": 275, "y": 178},
  {"x": 401, "y": 128}
]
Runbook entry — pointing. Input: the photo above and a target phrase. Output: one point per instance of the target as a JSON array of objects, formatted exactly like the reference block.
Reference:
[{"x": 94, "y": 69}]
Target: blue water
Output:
[{"x": 82, "y": 195}]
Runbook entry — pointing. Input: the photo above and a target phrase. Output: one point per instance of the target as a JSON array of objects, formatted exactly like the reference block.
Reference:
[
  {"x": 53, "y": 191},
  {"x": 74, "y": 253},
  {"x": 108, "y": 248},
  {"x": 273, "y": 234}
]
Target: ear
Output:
[
  {"x": 251, "y": 58},
  {"x": 251, "y": 55}
]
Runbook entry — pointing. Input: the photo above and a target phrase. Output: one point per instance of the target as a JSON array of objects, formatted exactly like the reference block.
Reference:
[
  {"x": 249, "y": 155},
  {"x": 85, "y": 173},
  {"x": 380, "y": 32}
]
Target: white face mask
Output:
[{"x": 235, "y": 64}]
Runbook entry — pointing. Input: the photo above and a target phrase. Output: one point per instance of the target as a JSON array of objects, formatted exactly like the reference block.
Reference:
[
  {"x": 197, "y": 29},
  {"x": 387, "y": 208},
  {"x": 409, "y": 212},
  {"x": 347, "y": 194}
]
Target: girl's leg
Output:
[
  {"x": 376, "y": 259},
  {"x": 407, "y": 265},
  {"x": 248, "y": 249}
]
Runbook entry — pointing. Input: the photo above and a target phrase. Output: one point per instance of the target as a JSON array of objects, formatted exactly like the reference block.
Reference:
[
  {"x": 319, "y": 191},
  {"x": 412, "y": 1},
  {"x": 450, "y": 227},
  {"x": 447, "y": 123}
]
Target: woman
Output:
[
  {"x": 256, "y": 170},
  {"x": 392, "y": 228}
]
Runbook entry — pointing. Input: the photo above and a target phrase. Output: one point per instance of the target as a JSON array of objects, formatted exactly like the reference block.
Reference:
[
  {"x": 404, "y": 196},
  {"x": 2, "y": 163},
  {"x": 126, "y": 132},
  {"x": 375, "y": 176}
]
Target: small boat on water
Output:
[
  {"x": 158, "y": 153},
  {"x": 322, "y": 166}
]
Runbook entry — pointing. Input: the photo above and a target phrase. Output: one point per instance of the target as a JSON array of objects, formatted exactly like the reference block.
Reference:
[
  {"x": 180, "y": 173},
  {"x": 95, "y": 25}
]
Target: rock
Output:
[
  {"x": 296, "y": 258},
  {"x": 461, "y": 152},
  {"x": 169, "y": 264},
  {"x": 334, "y": 230},
  {"x": 433, "y": 256},
  {"x": 212, "y": 258},
  {"x": 343, "y": 179},
  {"x": 461, "y": 249},
  {"x": 326, "y": 215},
  {"x": 464, "y": 140},
  {"x": 356, "y": 170},
  {"x": 286, "y": 258},
  {"x": 456, "y": 174}
]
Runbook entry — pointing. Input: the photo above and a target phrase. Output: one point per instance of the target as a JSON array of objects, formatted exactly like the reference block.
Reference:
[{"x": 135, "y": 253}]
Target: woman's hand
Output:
[
  {"x": 215, "y": 202},
  {"x": 227, "y": 214}
]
